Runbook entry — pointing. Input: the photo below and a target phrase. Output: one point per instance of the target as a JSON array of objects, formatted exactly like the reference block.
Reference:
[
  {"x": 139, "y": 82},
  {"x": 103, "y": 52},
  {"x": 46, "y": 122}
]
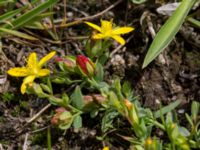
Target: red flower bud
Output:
[{"x": 85, "y": 65}]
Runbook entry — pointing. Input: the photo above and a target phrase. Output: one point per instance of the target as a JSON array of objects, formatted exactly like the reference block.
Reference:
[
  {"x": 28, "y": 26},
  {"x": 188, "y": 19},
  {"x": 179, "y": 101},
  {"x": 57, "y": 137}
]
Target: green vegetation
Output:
[{"x": 77, "y": 85}]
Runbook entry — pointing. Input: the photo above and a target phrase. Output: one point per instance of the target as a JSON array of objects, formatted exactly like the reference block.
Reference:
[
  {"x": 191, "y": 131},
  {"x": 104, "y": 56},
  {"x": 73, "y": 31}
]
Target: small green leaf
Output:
[
  {"x": 184, "y": 132},
  {"x": 169, "y": 118},
  {"x": 195, "y": 110},
  {"x": 107, "y": 121},
  {"x": 77, "y": 98},
  {"x": 126, "y": 89},
  {"x": 45, "y": 88},
  {"x": 49, "y": 85},
  {"x": 189, "y": 119},
  {"x": 103, "y": 58},
  {"x": 166, "y": 109},
  {"x": 56, "y": 101},
  {"x": 77, "y": 122},
  {"x": 38, "y": 91},
  {"x": 175, "y": 133},
  {"x": 65, "y": 99},
  {"x": 117, "y": 85},
  {"x": 99, "y": 72},
  {"x": 114, "y": 101},
  {"x": 97, "y": 49}
]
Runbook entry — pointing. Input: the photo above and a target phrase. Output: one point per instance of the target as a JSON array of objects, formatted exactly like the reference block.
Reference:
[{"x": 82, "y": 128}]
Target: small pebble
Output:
[{"x": 181, "y": 111}]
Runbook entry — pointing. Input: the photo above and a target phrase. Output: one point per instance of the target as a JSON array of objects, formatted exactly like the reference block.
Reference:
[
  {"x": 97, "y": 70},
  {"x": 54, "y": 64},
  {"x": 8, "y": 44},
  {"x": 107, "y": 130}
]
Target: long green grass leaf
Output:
[
  {"x": 168, "y": 31},
  {"x": 10, "y": 14},
  {"x": 38, "y": 19},
  {"x": 28, "y": 16},
  {"x": 195, "y": 22},
  {"x": 3, "y": 2},
  {"x": 18, "y": 34},
  {"x": 166, "y": 109}
]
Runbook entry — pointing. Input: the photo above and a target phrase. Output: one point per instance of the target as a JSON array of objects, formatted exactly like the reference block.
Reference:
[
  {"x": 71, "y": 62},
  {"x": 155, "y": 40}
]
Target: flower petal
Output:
[
  {"x": 46, "y": 58},
  {"x": 93, "y": 26},
  {"x": 43, "y": 72},
  {"x": 18, "y": 72},
  {"x": 26, "y": 81},
  {"x": 106, "y": 25},
  {"x": 122, "y": 30},
  {"x": 32, "y": 60},
  {"x": 98, "y": 36},
  {"x": 119, "y": 39}
]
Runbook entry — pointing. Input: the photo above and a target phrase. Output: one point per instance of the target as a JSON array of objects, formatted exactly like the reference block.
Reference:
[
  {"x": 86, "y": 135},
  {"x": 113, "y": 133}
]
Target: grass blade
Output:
[
  {"x": 10, "y": 14},
  {"x": 168, "y": 31},
  {"x": 18, "y": 34},
  {"x": 195, "y": 22},
  {"x": 23, "y": 19},
  {"x": 3, "y": 2},
  {"x": 49, "y": 139}
]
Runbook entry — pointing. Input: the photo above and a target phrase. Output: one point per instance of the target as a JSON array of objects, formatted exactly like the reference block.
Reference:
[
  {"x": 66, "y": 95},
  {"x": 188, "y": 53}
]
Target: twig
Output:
[
  {"x": 39, "y": 113},
  {"x": 39, "y": 130},
  {"x": 25, "y": 142},
  {"x": 1, "y": 147},
  {"x": 100, "y": 13},
  {"x": 77, "y": 10},
  {"x": 79, "y": 20}
]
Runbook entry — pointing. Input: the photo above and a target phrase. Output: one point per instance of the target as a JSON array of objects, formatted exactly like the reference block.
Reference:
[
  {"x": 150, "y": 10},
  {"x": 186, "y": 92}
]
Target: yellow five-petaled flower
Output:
[
  {"x": 32, "y": 70},
  {"x": 107, "y": 30}
]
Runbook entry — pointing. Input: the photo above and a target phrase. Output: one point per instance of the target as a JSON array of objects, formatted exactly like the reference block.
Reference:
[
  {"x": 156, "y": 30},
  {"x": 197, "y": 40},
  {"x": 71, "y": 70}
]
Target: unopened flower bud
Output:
[
  {"x": 87, "y": 99},
  {"x": 128, "y": 104},
  {"x": 133, "y": 114},
  {"x": 68, "y": 63},
  {"x": 149, "y": 144},
  {"x": 173, "y": 125},
  {"x": 55, "y": 118},
  {"x": 62, "y": 116},
  {"x": 148, "y": 141},
  {"x": 60, "y": 110},
  {"x": 99, "y": 98},
  {"x": 85, "y": 65},
  {"x": 58, "y": 59}
]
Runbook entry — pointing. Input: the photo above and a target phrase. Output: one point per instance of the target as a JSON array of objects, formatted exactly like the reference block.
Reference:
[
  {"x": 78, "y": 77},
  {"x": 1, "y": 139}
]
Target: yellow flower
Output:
[
  {"x": 32, "y": 70},
  {"x": 106, "y": 31},
  {"x": 106, "y": 148}
]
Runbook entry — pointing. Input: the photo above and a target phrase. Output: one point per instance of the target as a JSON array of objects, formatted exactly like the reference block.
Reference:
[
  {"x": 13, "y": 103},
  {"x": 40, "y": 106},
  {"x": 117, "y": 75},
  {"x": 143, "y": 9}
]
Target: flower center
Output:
[
  {"x": 35, "y": 71},
  {"x": 107, "y": 33}
]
